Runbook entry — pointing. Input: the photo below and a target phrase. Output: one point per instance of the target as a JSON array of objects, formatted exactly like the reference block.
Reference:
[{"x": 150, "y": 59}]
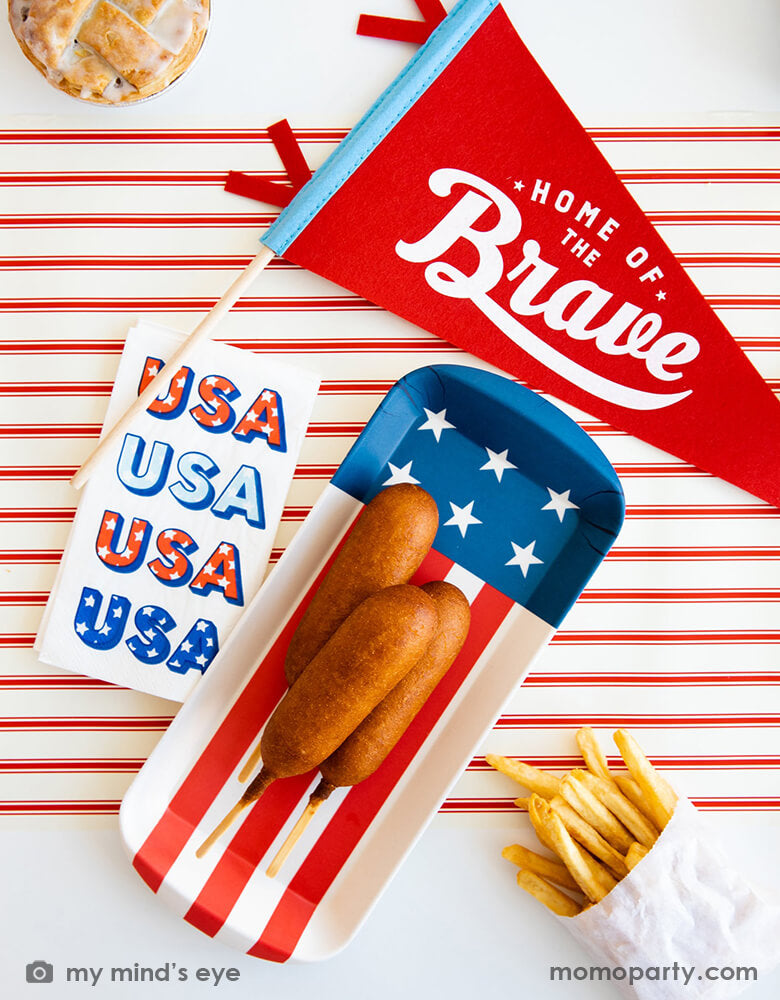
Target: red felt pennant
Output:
[
  {"x": 400, "y": 29},
  {"x": 489, "y": 217},
  {"x": 275, "y": 192},
  {"x": 290, "y": 153}
]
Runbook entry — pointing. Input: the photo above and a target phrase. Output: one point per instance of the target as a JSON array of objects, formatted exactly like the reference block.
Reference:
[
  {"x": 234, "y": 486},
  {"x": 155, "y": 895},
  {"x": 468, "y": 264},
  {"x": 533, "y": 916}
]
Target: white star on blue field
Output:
[{"x": 507, "y": 526}]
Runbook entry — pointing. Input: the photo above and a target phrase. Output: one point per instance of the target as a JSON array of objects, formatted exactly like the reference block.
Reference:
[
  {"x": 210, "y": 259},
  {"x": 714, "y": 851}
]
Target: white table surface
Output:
[{"x": 452, "y": 923}]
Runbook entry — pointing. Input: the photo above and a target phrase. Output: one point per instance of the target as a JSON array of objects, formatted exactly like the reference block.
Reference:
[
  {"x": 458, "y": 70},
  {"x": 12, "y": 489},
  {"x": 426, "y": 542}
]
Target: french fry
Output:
[
  {"x": 552, "y": 898},
  {"x": 592, "y": 753},
  {"x": 598, "y": 872},
  {"x": 633, "y": 793},
  {"x": 635, "y": 854},
  {"x": 660, "y": 797},
  {"x": 548, "y": 868},
  {"x": 610, "y": 795},
  {"x": 599, "y": 824},
  {"x": 600, "y": 818},
  {"x": 536, "y": 821},
  {"x": 583, "y": 832},
  {"x": 594, "y": 880},
  {"x": 533, "y": 778}
]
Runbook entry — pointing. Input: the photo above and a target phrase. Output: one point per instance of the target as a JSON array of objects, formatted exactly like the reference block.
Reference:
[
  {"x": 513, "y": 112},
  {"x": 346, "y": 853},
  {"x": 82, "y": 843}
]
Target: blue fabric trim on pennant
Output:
[{"x": 448, "y": 38}]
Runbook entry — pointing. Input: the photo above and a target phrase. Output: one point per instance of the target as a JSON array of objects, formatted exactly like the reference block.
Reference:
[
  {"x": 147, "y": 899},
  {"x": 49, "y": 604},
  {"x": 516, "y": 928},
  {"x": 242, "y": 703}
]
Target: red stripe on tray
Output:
[
  {"x": 246, "y": 849},
  {"x": 362, "y": 803},
  {"x": 266, "y": 818},
  {"x": 221, "y": 756}
]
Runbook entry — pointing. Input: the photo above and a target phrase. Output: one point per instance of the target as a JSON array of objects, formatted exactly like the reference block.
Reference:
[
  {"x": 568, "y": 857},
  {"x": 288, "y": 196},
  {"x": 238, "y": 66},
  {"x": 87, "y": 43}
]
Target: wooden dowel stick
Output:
[
  {"x": 252, "y": 761},
  {"x": 220, "y": 828},
  {"x": 292, "y": 838},
  {"x": 252, "y": 794},
  {"x": 201, "y": 333}
]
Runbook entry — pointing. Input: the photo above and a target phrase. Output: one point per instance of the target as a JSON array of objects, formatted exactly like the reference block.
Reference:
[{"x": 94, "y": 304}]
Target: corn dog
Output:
[
  {"x": 386, "y": 546},
  {"x": 367, "y": 747},
  {"x": 363, "y": 660}
]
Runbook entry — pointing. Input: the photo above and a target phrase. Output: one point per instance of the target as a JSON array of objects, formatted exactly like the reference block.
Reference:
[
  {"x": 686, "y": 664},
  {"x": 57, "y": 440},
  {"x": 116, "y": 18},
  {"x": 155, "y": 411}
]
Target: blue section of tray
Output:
[{"x": 519, "y": 522}]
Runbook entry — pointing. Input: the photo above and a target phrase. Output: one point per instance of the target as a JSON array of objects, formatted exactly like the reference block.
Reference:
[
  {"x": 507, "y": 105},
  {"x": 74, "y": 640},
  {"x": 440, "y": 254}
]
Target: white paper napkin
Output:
[
  {"x": 683, "y": 908},
  {"x": 173, "y": 532}
]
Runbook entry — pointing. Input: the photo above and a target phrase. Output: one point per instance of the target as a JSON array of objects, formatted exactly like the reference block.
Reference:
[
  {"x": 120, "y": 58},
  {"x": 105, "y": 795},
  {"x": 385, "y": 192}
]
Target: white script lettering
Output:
[{"x": 573, "y": 307}]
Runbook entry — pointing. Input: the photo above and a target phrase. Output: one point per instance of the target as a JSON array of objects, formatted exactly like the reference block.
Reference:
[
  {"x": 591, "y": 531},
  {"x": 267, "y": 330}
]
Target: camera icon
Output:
[{"x": 40, "y": 972}]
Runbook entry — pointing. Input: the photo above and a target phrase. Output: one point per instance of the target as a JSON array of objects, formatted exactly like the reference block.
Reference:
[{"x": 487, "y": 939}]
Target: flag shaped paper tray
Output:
[{"x": 528, "y": 507}]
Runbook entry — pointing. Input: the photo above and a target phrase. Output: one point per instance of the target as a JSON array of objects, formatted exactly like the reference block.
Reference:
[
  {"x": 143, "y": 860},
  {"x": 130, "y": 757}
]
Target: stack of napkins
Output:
[{"x": 174, "y": 530}]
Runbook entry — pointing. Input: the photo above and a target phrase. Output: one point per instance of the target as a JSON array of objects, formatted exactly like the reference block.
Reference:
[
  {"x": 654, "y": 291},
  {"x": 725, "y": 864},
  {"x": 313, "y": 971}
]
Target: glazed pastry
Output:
[{"x": 110, "y": 52}]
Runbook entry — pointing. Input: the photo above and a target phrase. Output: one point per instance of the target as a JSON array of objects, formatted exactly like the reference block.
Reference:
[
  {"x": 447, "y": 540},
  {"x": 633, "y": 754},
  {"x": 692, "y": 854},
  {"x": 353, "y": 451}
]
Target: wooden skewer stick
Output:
[
  {"x": 201, "y": 333},
  {"x": 367, "y": 746},
  {"x": 252, "y": 794},
  {"x": 252, "y": 761},
  {"x": 220, "y": 828},
  {"x": 317, "y": 797}
]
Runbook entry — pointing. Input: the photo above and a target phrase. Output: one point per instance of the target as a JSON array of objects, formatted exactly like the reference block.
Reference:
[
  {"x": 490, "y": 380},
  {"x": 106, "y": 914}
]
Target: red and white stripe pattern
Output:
[
  {"x": 227, "y": 889},
  {"x": 677, "y": 635}
]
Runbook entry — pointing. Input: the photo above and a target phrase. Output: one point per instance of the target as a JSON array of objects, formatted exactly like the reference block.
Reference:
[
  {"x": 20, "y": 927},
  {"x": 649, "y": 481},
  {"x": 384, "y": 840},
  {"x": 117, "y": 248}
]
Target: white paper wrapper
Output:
[
  {"x": 683, "y": 908},
  {"x": 154, "y": 622}
]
